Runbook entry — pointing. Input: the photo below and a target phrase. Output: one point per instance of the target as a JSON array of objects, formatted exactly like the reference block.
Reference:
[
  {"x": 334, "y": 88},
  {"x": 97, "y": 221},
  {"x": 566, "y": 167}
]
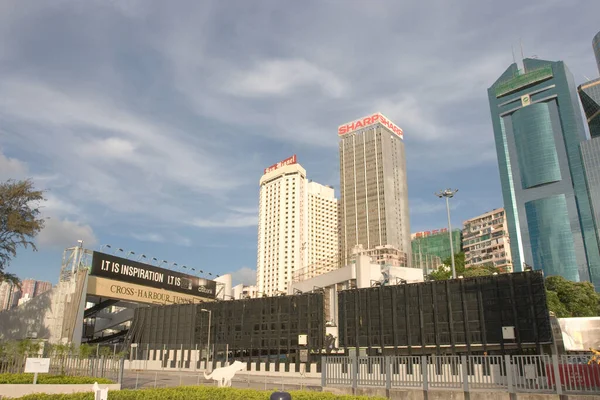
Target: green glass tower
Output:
[{"x": 538, "y": 131}]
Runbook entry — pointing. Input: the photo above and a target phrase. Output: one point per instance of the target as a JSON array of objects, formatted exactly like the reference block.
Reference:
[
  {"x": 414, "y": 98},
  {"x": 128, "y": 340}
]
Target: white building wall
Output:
[
  {"x": 282, "y": 228},
  {"x": 322, "y": 229}
]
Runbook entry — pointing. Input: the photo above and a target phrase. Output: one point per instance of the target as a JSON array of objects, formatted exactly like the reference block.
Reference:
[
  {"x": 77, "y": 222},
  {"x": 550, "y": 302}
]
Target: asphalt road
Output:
[{"x": 152, "y": 379}]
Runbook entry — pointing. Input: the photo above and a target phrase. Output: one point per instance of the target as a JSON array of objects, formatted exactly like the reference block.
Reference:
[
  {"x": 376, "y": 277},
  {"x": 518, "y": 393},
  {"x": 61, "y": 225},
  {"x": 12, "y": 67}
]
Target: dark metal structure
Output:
[
  {"x": 448, "y": 317},
  {"x": 443, "y": 317}
]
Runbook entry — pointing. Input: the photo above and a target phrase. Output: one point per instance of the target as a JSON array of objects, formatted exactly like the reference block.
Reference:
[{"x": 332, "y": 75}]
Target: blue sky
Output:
[{"x": 149, "y": 123}]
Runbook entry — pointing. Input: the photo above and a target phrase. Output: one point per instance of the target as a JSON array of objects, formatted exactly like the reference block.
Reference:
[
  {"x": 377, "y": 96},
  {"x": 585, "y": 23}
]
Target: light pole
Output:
[
  {"x": 208, "y": 341},
  {"x": 448, "y": 194}
]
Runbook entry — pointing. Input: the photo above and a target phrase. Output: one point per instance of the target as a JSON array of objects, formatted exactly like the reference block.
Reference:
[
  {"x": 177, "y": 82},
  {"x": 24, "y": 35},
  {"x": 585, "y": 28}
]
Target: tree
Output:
[
  {"x": 20, "y": 220},
  {"x": 571, "y": 299},
  {"x": 445, "y": 271}
]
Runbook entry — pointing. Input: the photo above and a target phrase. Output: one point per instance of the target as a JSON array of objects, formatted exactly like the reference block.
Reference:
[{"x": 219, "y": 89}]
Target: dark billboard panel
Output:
[{"x": 124, "y": 270}]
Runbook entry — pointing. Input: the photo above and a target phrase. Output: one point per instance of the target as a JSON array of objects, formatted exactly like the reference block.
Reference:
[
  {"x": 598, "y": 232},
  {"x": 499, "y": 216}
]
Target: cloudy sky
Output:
[{"x": 149, "y": 122}]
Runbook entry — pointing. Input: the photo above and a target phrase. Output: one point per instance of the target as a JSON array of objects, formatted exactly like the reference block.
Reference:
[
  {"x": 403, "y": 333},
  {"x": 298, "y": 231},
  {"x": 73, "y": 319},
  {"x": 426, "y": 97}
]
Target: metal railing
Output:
[
  {"x": 563, "y": 374},
  {"x": 101, "y": 367}
]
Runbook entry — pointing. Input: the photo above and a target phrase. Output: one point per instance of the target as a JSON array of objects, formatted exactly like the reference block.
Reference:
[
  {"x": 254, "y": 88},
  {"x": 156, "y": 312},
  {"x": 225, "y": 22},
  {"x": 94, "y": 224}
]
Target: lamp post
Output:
[
  {"x": 208, "y": 341},
  {"x": 448, "y": 194}
]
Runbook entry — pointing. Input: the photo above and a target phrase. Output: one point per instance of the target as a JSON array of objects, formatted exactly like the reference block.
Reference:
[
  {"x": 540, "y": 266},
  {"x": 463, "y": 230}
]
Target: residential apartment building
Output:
[
  {"x": 297, "y": 229},
  {"x": 538, "y": 131},
  {"x": 486, "y": 241},
  {"x": 373, "y": 190},
  {"x": 6, "y": 289}
]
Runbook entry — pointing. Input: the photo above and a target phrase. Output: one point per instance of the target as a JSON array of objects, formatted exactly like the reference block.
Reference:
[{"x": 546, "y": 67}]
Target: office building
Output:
[
  {"x": 486, "y": 242},
  {"x": 538, "y": 130},
  {"x": 596, "y": 46},
  {"x": 589, "y": 93},
  {"x": 373, "y": 190},
  {"x": 436, "y": 243},
  {"x": 297, "y": 229},
  {"x": 590, "y": 152}
]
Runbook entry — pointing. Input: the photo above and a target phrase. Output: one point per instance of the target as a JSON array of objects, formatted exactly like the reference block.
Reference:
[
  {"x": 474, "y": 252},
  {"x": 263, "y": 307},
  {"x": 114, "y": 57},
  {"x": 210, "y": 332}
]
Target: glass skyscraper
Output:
[
  {"x": 596, "y": 45},
  {"x": 538, "y": 131},
  {"x": 589, "y": 93}
]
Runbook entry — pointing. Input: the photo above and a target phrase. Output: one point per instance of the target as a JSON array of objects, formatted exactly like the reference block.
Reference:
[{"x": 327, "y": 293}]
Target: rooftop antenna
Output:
[
  {"x": 512, "y": 49},
  {"x": 586, "y": 78},
  {"x": 522, "y": 55}
]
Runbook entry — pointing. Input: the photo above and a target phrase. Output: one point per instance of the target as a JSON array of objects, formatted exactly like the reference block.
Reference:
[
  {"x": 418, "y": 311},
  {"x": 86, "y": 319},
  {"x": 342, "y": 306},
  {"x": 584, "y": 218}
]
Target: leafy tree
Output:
[
  {"x": 20, "y": 220},
  {"x": 445, "y": 271},
  {"x": 571, "y": 299}
]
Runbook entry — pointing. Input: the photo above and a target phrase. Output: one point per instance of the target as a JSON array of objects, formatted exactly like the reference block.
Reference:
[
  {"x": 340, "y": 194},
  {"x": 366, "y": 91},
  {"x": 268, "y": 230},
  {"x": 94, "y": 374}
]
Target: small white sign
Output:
[
  {"x": 302, "y": 340},
  {"x": 508, "y": 332},
  {"x": 37, "y": 365}
]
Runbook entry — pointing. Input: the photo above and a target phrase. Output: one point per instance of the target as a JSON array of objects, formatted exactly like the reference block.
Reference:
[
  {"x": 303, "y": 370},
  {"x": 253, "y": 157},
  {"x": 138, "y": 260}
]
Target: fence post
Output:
[
  {"x": 324, "y": 371},
  {"x": 388, "y": 373},
  {"x": 556, "y": 371},
  {"x": 509, "y": 375},
  {"x": 465, "y": 375},
  {"x": 121, "y": 370},
  {"x": 354, "y": 373},
  {"x": 424, "y": 374}
]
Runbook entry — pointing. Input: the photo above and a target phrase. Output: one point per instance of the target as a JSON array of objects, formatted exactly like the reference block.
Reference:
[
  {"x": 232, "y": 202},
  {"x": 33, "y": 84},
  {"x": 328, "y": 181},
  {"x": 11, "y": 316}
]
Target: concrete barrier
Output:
[{"x": 13, "y": 391}]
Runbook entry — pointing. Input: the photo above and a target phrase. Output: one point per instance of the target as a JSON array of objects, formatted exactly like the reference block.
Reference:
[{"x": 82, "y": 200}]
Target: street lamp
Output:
[
  {"x": 208, "y": 341},
  {"x": 129, "y": 253},
  {"x": 448, "y": 194}
]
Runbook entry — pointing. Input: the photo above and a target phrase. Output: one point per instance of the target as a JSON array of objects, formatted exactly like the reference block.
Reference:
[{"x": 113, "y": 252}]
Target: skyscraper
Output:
[
  {"x": 538, "y": 131},
  {"x": 596, "y": 46},
  {"x": 297, "y": 228},
  {"x": 589, "y": 93},
  {"x": 373, "y": 189}
]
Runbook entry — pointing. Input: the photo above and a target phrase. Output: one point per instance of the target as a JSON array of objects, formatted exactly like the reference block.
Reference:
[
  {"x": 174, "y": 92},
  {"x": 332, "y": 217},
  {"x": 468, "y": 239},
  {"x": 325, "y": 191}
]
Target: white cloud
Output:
[
  {"x": 61, "y": 233},
  {"x": 172, "y": 238},
  {"x": 244, "y": 275},
  {"x": 11, "y": 168},
  {"x": 282, "y": 77},
  {"x": 230, "y": 221}
]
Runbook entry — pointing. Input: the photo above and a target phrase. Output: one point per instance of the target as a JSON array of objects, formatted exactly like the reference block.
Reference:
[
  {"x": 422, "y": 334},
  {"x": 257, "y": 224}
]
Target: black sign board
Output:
[{"x": 124, "y": 270}]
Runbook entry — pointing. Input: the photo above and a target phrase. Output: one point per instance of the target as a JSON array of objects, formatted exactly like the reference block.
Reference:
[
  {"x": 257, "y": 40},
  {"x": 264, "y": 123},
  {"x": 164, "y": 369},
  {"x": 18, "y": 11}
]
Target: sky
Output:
[{"x": 149, "y": 123}]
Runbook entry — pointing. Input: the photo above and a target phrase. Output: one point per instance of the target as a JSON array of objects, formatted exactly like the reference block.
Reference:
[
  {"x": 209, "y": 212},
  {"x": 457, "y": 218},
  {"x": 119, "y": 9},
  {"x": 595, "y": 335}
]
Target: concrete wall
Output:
[{"x": 15, "y": 391}]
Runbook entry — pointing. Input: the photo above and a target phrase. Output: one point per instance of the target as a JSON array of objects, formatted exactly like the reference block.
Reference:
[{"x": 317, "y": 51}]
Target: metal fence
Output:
[
  {"x": 563, "y": 374},
  {"x": 100, "y": 367}
]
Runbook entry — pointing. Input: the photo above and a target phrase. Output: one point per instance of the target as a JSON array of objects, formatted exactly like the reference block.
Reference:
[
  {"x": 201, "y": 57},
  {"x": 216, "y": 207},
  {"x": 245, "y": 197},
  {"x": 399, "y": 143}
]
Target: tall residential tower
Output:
[
  {"x": 373, "y": 190},
  {"x": 538, "y": 130}
]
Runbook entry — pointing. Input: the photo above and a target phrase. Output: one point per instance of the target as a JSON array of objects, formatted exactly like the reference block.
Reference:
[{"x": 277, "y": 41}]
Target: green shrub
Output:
[
  {"x": 50, "y": 379},
  {"x": 197, "y": 393}
]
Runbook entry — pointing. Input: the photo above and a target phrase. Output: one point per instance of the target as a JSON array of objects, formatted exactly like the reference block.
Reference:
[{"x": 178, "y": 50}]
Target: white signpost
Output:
[{"x": 37, "y": 366}]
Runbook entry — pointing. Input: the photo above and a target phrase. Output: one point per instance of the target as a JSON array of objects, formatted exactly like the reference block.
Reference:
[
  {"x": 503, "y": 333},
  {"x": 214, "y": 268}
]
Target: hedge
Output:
[
  {"x": 50, "y": 379},
  {"x": 197, "y": 393}
]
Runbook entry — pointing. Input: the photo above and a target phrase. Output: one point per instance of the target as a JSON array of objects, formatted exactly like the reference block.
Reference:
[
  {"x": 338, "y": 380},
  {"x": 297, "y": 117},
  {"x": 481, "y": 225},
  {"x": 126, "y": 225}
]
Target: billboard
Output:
[
  {"x": 377, "y": 118},
  {"x": 580, "y": 334},
  {"x": 124, "y": 270},
  {"x": 288, "y": 161}
]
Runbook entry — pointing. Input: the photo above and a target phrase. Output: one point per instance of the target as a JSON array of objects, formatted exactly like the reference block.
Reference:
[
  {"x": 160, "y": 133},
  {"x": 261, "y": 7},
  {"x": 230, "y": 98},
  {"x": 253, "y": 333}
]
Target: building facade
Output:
[
  {"x": 297, "y": 229},
  {"x": 436, "y": 243},
  {"x": 323, "y": 235},
  {"x": 589, "y": 93},
  {"x": 486, "y": 241},
  {"x": 590, "y": 153},
  {"x": 596, "y": 46},
  {"x": 5, "y": 295},
  {"x": 538, "y": 130},
  {"x": 373, "y": 189}
]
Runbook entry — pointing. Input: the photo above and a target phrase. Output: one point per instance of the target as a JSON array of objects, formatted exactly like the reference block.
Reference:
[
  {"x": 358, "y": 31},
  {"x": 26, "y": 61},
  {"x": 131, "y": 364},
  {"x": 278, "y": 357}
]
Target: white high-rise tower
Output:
[{"x": 297, "y": 226}]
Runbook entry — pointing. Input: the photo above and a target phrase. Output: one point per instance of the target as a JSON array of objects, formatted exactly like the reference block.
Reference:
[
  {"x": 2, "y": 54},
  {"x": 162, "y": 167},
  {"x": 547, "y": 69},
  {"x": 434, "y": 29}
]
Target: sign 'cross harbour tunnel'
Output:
[{"x": 124, "y": 270}]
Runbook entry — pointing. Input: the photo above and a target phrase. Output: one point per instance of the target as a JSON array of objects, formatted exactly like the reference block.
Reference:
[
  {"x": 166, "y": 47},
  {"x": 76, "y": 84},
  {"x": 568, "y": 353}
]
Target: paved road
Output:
[{"x": 151, "y": 379}]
